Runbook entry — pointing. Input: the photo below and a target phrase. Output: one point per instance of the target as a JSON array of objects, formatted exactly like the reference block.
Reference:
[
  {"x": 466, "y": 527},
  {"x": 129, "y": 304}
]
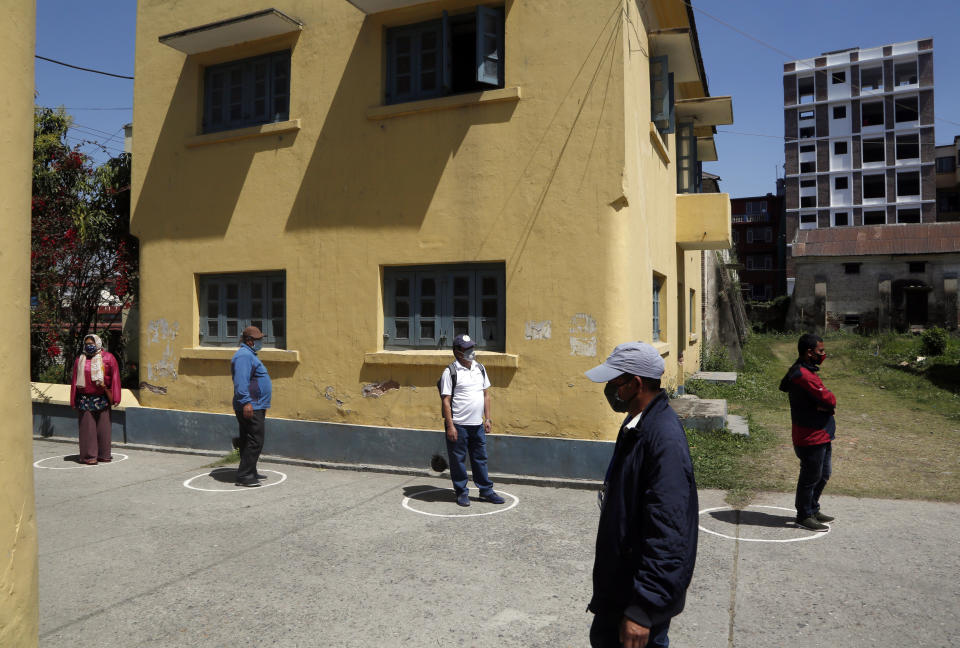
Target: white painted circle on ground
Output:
[
  {"x": 36, "y": 464},
  {"x": 814, "y": 535},
  {"x": 406, "y": 505},
  {"x": 187, "y": 483}
]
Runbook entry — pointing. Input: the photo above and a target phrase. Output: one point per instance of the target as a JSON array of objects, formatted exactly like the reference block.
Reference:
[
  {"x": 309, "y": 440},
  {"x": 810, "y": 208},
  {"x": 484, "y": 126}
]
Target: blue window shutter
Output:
[
  {"x": 660, "y": 91},
  {"x": 446, "y": 55},
  {"x": 671, "y": 105},
  {"x": 489, "y": 60}
]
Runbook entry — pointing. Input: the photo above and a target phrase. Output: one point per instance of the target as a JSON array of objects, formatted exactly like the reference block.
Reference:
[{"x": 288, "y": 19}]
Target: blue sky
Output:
[{"x": 100, "y": 34}]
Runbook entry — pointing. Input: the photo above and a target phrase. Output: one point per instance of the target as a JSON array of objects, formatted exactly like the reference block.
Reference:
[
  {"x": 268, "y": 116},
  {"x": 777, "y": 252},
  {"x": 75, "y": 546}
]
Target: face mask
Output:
[
  {"x": 470, "y": 355},
  {"x": 820, "y": 358},
  {"x": 89, "y": 349},
  {"x": 257, "y": 345},
  {"x": 617, "y": 404}
]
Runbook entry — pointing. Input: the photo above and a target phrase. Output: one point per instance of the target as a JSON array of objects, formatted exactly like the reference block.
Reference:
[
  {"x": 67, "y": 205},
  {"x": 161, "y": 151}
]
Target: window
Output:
[
  {"x": 905, "y": 73},
  {"x": 841, "y": 219},
  {"x": 750, "y": 235},
  {"x": 805, "y": 89},
  {"x": 908, "y": 147},
  {"x": 808, "y": 148},
  {"x": 693, "y": 319},
  {"x": 851, "y": 268},
  {"x": 917, "y": 266},
  {"x": 946, "y": 165},
  {"x": 427, "y": 306},
  {"x": 806, "y": 114},
  {"x": 808, "y": 221},
  {"x": 808, "y": 201},
  {"x": 839, "y": 112},
  {"x": 808, "y": 167},
  {"x": 906, "y": 109},
  {"x": 841, "y": 182},
  {"x": 688, "y": 168},
  {"x": 248, "y": 92},
  {"x": 839, "y": 77},
  {"x": 948, "y": 201},
  {"x": 839, "y": 148},
  {"x": 908, "y": 183},
  {"x": 750, "y": 264},
  {"x": 850, "y": 319},
  {"x": 657, "y": 281},
  {"x": 808, "y": 131},
  {"x": 871, "y": 78},
  {"x": 872, "y": 113},
  {"x": 452, "y": 55},
  {"x": 662, "y": 112},
  {"x": 873, "y": 150},
  {"x": 767, "y": 235},
  {"x": 230, "y": 303},
  {"x": 874, "y": 186},
  {"x": 736, "y": 236},
  {"x": 808, "y": 183},
  {"x": 908, "y": 215},
  {"x": 874, "y": 217}
]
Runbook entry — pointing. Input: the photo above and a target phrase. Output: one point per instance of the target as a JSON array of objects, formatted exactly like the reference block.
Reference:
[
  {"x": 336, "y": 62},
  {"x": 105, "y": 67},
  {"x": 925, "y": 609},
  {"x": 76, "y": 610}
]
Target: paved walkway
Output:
[{"x": 131, "y": 557}]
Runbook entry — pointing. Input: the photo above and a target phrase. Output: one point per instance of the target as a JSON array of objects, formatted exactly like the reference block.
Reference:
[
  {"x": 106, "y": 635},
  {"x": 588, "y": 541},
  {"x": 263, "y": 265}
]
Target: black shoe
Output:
[
  {"x": 492, "y": 497},
  {"x": 259, "y": 476},
  {"x": 812, "y": 524},
  {"x": 821, "y": 517},
  {"x": 251, "y": 484}
]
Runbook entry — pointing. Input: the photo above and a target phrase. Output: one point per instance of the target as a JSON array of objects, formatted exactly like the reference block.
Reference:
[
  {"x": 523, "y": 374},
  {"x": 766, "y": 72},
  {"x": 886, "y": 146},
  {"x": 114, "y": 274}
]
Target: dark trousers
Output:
[
  {"x": 94, "y": 435},
  {"x": 605, "y": 632},
  {"x": 251, "y": 444},
  {"x": 470, "y": 438},
  {"x": 815, "y": 470}
]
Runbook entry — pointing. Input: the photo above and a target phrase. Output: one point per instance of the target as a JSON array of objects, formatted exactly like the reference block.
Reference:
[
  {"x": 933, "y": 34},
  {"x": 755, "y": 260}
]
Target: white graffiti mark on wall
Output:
[
  {"x": 583, "y": 335},
  {"x": 537, "y": 330},
  {"x": 160, "y": 332}
]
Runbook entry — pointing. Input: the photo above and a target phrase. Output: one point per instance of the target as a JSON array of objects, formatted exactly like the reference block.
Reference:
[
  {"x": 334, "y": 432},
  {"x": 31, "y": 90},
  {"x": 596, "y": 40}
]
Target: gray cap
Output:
[{"x": 634, "y": 358}]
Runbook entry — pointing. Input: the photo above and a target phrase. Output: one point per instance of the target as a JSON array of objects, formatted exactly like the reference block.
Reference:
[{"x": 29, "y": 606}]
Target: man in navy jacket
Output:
[
  {"x": 647, "y": 536},
  {"x": 813, "y": 427}
]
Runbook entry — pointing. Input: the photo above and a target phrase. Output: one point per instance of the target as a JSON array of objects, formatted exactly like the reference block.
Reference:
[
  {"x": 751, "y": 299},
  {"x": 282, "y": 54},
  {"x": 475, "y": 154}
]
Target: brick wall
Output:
[
  {"x": 926, "y": 107},
  {"x": 823, "y": 120},
  {"x": 928, "y": 183},
  {"x": 823, "y": 156},
  {"x": 928, "y": 146},
  {"x": 887, "y": 73},
  {"x": 793, "y": 193},
  {"x": 855, "y": 116},
  {"x": 823, "y": 189},
  {"x": 854, "y": 77},
  {"x": 925, "y": 69},
  {"x": 820, "y": 82},
  {"x": 790, "y": 124},
  {"x": 792, "y": 158},
  {"x": 857, "y": 187},
  {"x": 789, "y": 89}
]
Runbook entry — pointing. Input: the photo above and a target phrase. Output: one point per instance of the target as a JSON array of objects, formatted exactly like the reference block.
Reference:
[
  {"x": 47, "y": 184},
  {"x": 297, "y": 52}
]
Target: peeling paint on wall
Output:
[
  {"x": 537, "y": 330},
  {"x": 331, "y": 395},
  {"x": 160, "y": 332},
  {"x": 376, "y": 390},
  {"x": 583, "y": 338}
]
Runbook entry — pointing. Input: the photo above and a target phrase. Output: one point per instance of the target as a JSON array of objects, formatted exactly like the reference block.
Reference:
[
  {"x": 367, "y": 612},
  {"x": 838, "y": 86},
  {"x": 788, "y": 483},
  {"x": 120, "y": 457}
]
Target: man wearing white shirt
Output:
[{"x": 466, "y": 418}]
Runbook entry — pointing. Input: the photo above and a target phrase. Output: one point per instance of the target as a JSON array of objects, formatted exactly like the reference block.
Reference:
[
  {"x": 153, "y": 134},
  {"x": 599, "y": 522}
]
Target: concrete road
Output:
[{"x": 130, "y": 556}]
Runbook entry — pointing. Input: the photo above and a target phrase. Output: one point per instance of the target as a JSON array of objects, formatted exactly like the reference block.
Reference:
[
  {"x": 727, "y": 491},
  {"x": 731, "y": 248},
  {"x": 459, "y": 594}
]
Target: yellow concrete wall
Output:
[
  {"x": 18, "y": 524},
  {"x": 556, "y": 185}
]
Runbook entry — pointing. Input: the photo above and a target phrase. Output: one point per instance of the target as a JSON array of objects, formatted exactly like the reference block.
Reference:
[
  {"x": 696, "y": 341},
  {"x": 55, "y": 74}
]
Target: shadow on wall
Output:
[
  {"x": 162, "y": 210},
  {"x": 367, "y": 173},
  {"x": 195, "y": 367},
  {"x": 424, "y": 376}
]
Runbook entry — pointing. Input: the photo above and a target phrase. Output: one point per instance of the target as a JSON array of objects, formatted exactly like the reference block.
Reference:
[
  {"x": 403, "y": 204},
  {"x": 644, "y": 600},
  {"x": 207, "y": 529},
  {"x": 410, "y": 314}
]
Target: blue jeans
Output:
[
  {"x": 469, "y": 438},
  {"x": 605, "y": 632},
  {"x": 815, "y": 470}
]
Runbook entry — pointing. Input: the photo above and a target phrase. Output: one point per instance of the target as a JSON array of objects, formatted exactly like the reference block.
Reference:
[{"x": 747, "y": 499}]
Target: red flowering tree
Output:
[{"x": 83, "y": 257}]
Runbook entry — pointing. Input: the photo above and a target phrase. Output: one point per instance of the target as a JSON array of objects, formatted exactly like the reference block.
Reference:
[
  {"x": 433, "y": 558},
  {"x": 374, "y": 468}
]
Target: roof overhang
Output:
[
  {"x": 705, "y": 111},
  {"x": 233, "y": 31},
  {"x": 677, "y": 44},
  {"x": 376, "y": 6},
  {"x": 707, "y": 149}
]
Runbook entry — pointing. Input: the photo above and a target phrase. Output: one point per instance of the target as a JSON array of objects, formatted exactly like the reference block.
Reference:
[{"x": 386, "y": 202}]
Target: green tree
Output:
[{"x": 82, "y": 254}]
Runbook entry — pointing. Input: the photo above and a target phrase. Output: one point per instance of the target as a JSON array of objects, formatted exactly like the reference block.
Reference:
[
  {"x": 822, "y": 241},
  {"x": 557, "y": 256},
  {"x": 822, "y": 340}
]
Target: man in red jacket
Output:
[{"x": 811, "y": 412}]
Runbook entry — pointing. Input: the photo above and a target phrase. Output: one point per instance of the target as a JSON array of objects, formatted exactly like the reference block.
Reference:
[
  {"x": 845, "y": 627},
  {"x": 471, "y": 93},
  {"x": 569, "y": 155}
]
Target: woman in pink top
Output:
[{"x": 94, "y": 389}]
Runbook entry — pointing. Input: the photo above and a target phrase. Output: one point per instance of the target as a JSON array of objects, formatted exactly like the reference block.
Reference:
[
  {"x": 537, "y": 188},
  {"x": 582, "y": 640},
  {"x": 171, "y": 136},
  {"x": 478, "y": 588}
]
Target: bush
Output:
[
  {"x": 53, "y": 374},
  {"x": 716, "y": 358},
  {"x": 934, "y": 341}
]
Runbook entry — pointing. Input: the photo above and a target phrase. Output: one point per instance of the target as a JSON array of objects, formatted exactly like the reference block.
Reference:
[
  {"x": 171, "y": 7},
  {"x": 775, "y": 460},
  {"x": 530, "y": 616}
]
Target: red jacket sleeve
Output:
[
  {"x": 811, "y": 383},
  {"x": 111, "y": 367},
  {"x": 73, "y": 385}
]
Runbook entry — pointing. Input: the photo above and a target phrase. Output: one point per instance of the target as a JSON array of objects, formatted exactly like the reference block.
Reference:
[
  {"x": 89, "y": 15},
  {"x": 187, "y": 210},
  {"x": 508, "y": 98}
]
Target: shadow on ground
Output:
[
  {"x": 755, "y": 518},
  {"x": 430, "y": 494}
]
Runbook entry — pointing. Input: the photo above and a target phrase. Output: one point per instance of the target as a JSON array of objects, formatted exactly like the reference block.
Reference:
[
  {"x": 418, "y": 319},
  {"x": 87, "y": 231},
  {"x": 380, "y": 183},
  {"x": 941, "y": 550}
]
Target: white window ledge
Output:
[
  {"x": 226, "y": 353},
  {"x": 663, "y": 348},
  {"x": 444, "y": 103},
  {"x": 261, "y": 130},
  {"x": 439, "y": 358}
]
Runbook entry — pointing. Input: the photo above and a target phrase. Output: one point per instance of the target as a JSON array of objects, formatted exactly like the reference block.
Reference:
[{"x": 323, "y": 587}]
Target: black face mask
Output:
[{"x": 617, "y": 404}]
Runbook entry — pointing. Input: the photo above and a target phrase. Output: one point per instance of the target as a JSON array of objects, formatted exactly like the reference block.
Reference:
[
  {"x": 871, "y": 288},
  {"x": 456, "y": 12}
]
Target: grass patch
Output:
[
  {"x": 232, "y": 458},
  {"x": 898, "y": 420}
]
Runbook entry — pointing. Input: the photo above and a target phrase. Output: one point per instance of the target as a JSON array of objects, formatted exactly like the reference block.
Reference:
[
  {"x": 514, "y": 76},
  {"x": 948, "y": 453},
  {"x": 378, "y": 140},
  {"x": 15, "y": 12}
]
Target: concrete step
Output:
[
  {"x": 721, "y": 377},
  {"x": 737, "y": 425},
  {"x": 701, "y": 413}
]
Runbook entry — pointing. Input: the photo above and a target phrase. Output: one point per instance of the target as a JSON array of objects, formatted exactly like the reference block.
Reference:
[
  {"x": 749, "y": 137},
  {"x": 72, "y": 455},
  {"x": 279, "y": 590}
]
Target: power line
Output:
[
  {"x": 85, "y": 69},
  {"x": 789, "y": 56},
  {"x": 120, "y": 108}
]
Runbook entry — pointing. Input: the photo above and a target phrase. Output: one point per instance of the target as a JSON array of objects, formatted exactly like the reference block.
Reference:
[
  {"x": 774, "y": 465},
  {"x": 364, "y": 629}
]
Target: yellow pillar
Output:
[{"x": 18, "y": 522}]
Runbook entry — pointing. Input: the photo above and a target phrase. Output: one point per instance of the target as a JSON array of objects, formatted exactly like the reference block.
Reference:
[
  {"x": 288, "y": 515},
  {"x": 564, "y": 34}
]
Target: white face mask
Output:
[{"x": 469, "y": 355}]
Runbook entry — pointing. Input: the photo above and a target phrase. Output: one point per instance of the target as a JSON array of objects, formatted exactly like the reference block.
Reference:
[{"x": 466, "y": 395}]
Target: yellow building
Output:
[
  {"x": 365, "y": 179},
  {"x": 18, "y": 525}
]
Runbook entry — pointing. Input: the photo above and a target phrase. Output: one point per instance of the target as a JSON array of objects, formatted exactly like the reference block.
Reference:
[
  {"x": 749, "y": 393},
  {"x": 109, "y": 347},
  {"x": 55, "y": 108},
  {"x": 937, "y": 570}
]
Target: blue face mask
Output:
[
  {"x": 257, "y": 345},
  {"x": 90, "y": 349}
]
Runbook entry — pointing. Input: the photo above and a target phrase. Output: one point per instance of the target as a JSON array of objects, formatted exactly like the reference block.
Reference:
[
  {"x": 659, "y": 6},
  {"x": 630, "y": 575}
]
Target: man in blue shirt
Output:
[{"x": 251, "y": 400}]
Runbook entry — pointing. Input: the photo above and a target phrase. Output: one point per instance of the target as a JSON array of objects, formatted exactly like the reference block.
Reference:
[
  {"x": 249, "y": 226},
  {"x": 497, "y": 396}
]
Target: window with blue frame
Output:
[
  {"x": 662, "y": 112},
  {"x": 247, "y": 92},
  {"x": 451, "y": 55},
  {"x": 425, "y": 307},
  {"x": 657, "y": 282},
  {"x": 231, "y": 302},
  {"x": 689, "y": 175}
]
